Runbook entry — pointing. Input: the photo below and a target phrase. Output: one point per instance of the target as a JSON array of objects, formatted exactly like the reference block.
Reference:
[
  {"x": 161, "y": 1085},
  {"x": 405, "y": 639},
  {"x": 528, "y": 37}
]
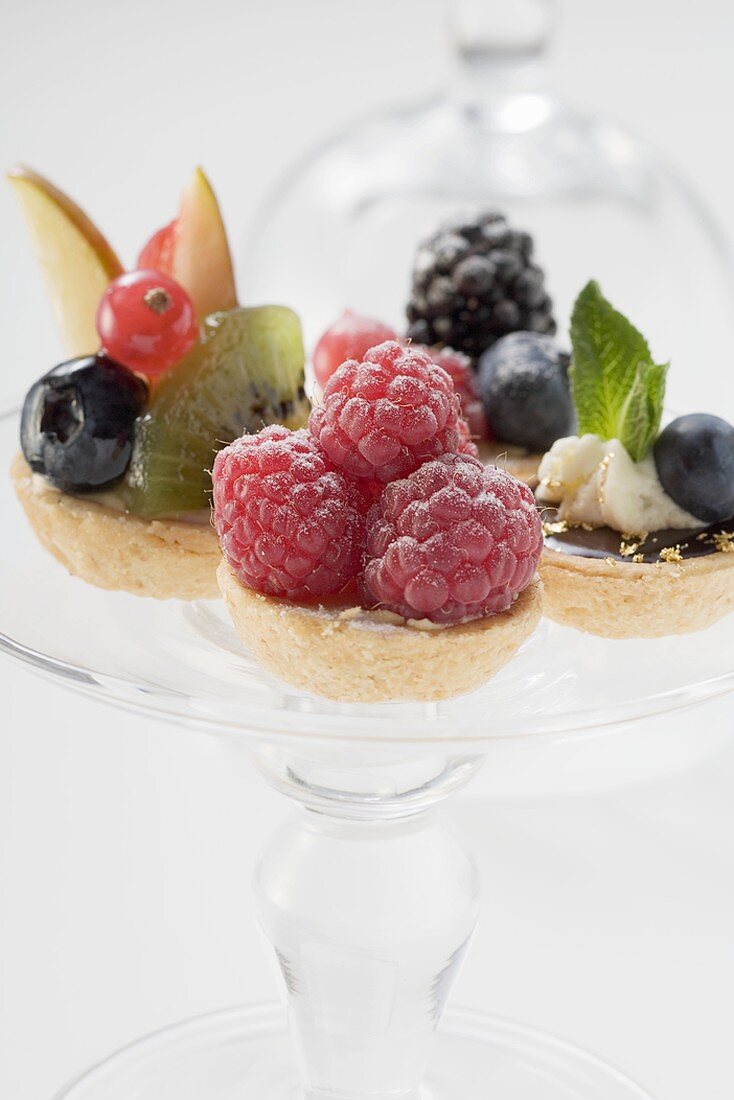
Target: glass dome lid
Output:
[{"x": 342, "y": 227}]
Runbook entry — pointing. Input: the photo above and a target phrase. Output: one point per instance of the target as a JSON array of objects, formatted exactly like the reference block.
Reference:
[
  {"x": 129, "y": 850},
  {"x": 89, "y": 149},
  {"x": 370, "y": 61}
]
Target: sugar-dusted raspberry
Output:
[
  {"x": 463, "y": 376},
  {"x": 350, "y": 337},
  {"x": 467, "y": 446},
  {"x": 289, "y": 523},
  {"x": 381, "y": 418},
  {"x": 454, "y": 541}
]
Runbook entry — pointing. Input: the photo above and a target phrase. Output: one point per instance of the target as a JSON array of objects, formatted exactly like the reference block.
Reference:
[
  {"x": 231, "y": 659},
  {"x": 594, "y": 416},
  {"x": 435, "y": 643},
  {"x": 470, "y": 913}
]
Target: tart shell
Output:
[
  {"x": 619, "y": 599},
  {"x": 357, "y": 656},
  {"x": 521, "y": 464},
  {"x": 166, "y": 559}
]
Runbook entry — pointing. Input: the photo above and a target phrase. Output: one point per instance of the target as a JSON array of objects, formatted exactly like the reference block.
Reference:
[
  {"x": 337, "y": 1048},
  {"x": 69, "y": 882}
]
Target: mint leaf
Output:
[
  {"x": 617, "y": 389},
  {"x": 638, "y": 423}
]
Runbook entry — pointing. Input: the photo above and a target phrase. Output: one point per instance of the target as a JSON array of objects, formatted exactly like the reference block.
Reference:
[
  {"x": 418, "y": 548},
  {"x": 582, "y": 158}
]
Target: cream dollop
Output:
[{"x": 595, "y": 481}]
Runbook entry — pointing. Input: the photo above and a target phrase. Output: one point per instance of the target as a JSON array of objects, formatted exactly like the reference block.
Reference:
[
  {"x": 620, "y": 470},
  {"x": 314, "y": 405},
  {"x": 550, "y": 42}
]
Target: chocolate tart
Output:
[
  {"x": 669, "y": 582},
  {"x": 356, "y": 656},
  {"x": 166, "y": 559}
]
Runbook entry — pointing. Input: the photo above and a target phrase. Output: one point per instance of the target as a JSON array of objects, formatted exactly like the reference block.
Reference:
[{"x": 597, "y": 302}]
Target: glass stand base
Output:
[{"x": 245, "y": 1054}]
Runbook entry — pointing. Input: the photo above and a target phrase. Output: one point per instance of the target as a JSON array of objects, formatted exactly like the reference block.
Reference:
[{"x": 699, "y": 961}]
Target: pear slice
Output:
[
  {"x": 76, "y": 260},
  {"x": 201, "y": 260}
]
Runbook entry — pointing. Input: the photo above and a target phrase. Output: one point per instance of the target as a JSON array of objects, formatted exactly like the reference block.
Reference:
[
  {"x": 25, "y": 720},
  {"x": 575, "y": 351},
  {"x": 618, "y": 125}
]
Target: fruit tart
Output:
[
  {"x": 164, "y": 368},
  {"x": 366, "y": 557},
  {"x": 638, "y": 522},
  {"x": 479, "y": 306}
]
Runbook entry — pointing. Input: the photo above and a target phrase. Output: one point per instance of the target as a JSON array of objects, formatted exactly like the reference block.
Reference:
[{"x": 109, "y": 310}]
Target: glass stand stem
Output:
[{"x": 369, "y": 919}]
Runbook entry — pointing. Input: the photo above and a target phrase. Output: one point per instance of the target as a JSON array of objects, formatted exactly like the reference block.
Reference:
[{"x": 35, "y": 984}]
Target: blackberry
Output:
[{"x": 473, "y": 282}]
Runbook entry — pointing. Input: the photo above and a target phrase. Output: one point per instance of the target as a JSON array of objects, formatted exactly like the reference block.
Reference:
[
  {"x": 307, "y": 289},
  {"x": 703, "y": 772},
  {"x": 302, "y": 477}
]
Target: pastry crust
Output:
[
  {"x": 618, "y": 599},
  {"x": 166, "y": 559},
  {"x": 357, "y": 656},
  {"x": 521, "y": 464}
]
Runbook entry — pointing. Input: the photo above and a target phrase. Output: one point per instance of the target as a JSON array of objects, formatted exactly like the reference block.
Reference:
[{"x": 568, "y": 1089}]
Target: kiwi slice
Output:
[{"x": 246, "y": 372}]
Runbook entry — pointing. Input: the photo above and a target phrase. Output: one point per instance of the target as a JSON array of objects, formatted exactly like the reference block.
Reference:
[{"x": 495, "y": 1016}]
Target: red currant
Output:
[
  {"x": 157, "y": 253},
  {"x": 146, "y": 321}
]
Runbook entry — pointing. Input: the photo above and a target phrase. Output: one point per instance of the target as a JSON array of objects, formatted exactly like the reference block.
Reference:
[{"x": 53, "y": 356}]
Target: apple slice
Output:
[
  {"x": 76, "y": 260},
  {"x": 202, "y": 263},
  {"x": 193, "y": 249}
]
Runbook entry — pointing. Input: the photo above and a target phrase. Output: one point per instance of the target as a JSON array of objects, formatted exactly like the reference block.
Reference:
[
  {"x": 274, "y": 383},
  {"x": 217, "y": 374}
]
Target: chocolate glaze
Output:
[{"x": 604, "y": 542}]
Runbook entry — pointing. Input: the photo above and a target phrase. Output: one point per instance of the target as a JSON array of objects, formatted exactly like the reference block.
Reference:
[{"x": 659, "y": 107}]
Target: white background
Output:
[{"x": 126, "y": 847}]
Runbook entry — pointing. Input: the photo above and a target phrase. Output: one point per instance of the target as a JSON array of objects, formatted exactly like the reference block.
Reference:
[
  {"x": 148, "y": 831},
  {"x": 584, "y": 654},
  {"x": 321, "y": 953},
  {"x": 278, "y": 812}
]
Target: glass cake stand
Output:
[{"x": 368, "y": 899}]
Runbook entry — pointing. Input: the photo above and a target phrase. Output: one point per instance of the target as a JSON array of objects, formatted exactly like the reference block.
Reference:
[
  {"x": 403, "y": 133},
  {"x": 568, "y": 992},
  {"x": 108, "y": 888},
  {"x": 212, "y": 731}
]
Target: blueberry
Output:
[
  {"x": 77, "y": 423},
  {"x": 694, "y": 457},
  {"x": 523, "y": 383}
]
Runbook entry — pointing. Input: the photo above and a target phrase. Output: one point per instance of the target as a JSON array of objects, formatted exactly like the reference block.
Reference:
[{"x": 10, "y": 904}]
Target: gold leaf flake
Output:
[
  {"x": 631, "y": 543},
  {"x": 603, "y": 471},
  {"x": 724, "y": 542},
  {"x": 551, "y": 483},
  {"x": 558, "y": 528}
]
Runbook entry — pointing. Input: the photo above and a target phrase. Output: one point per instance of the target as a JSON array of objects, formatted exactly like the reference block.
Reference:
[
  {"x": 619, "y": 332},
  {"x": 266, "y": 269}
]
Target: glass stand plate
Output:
[
  {"x": 184, "y": 662},
  {"x": 245, "y": 1054}
]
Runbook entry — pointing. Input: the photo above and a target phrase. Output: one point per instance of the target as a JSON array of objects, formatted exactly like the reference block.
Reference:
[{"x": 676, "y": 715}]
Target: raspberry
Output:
[
  {"x": 381, "y": 418},
  {"x": 460, "y": 368},
  {"x": 454, "y": 541},
  {"x": 351, "y": 337},
  {"x": 289, "y": 523},
  {"x": 467, "y": 446}
]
